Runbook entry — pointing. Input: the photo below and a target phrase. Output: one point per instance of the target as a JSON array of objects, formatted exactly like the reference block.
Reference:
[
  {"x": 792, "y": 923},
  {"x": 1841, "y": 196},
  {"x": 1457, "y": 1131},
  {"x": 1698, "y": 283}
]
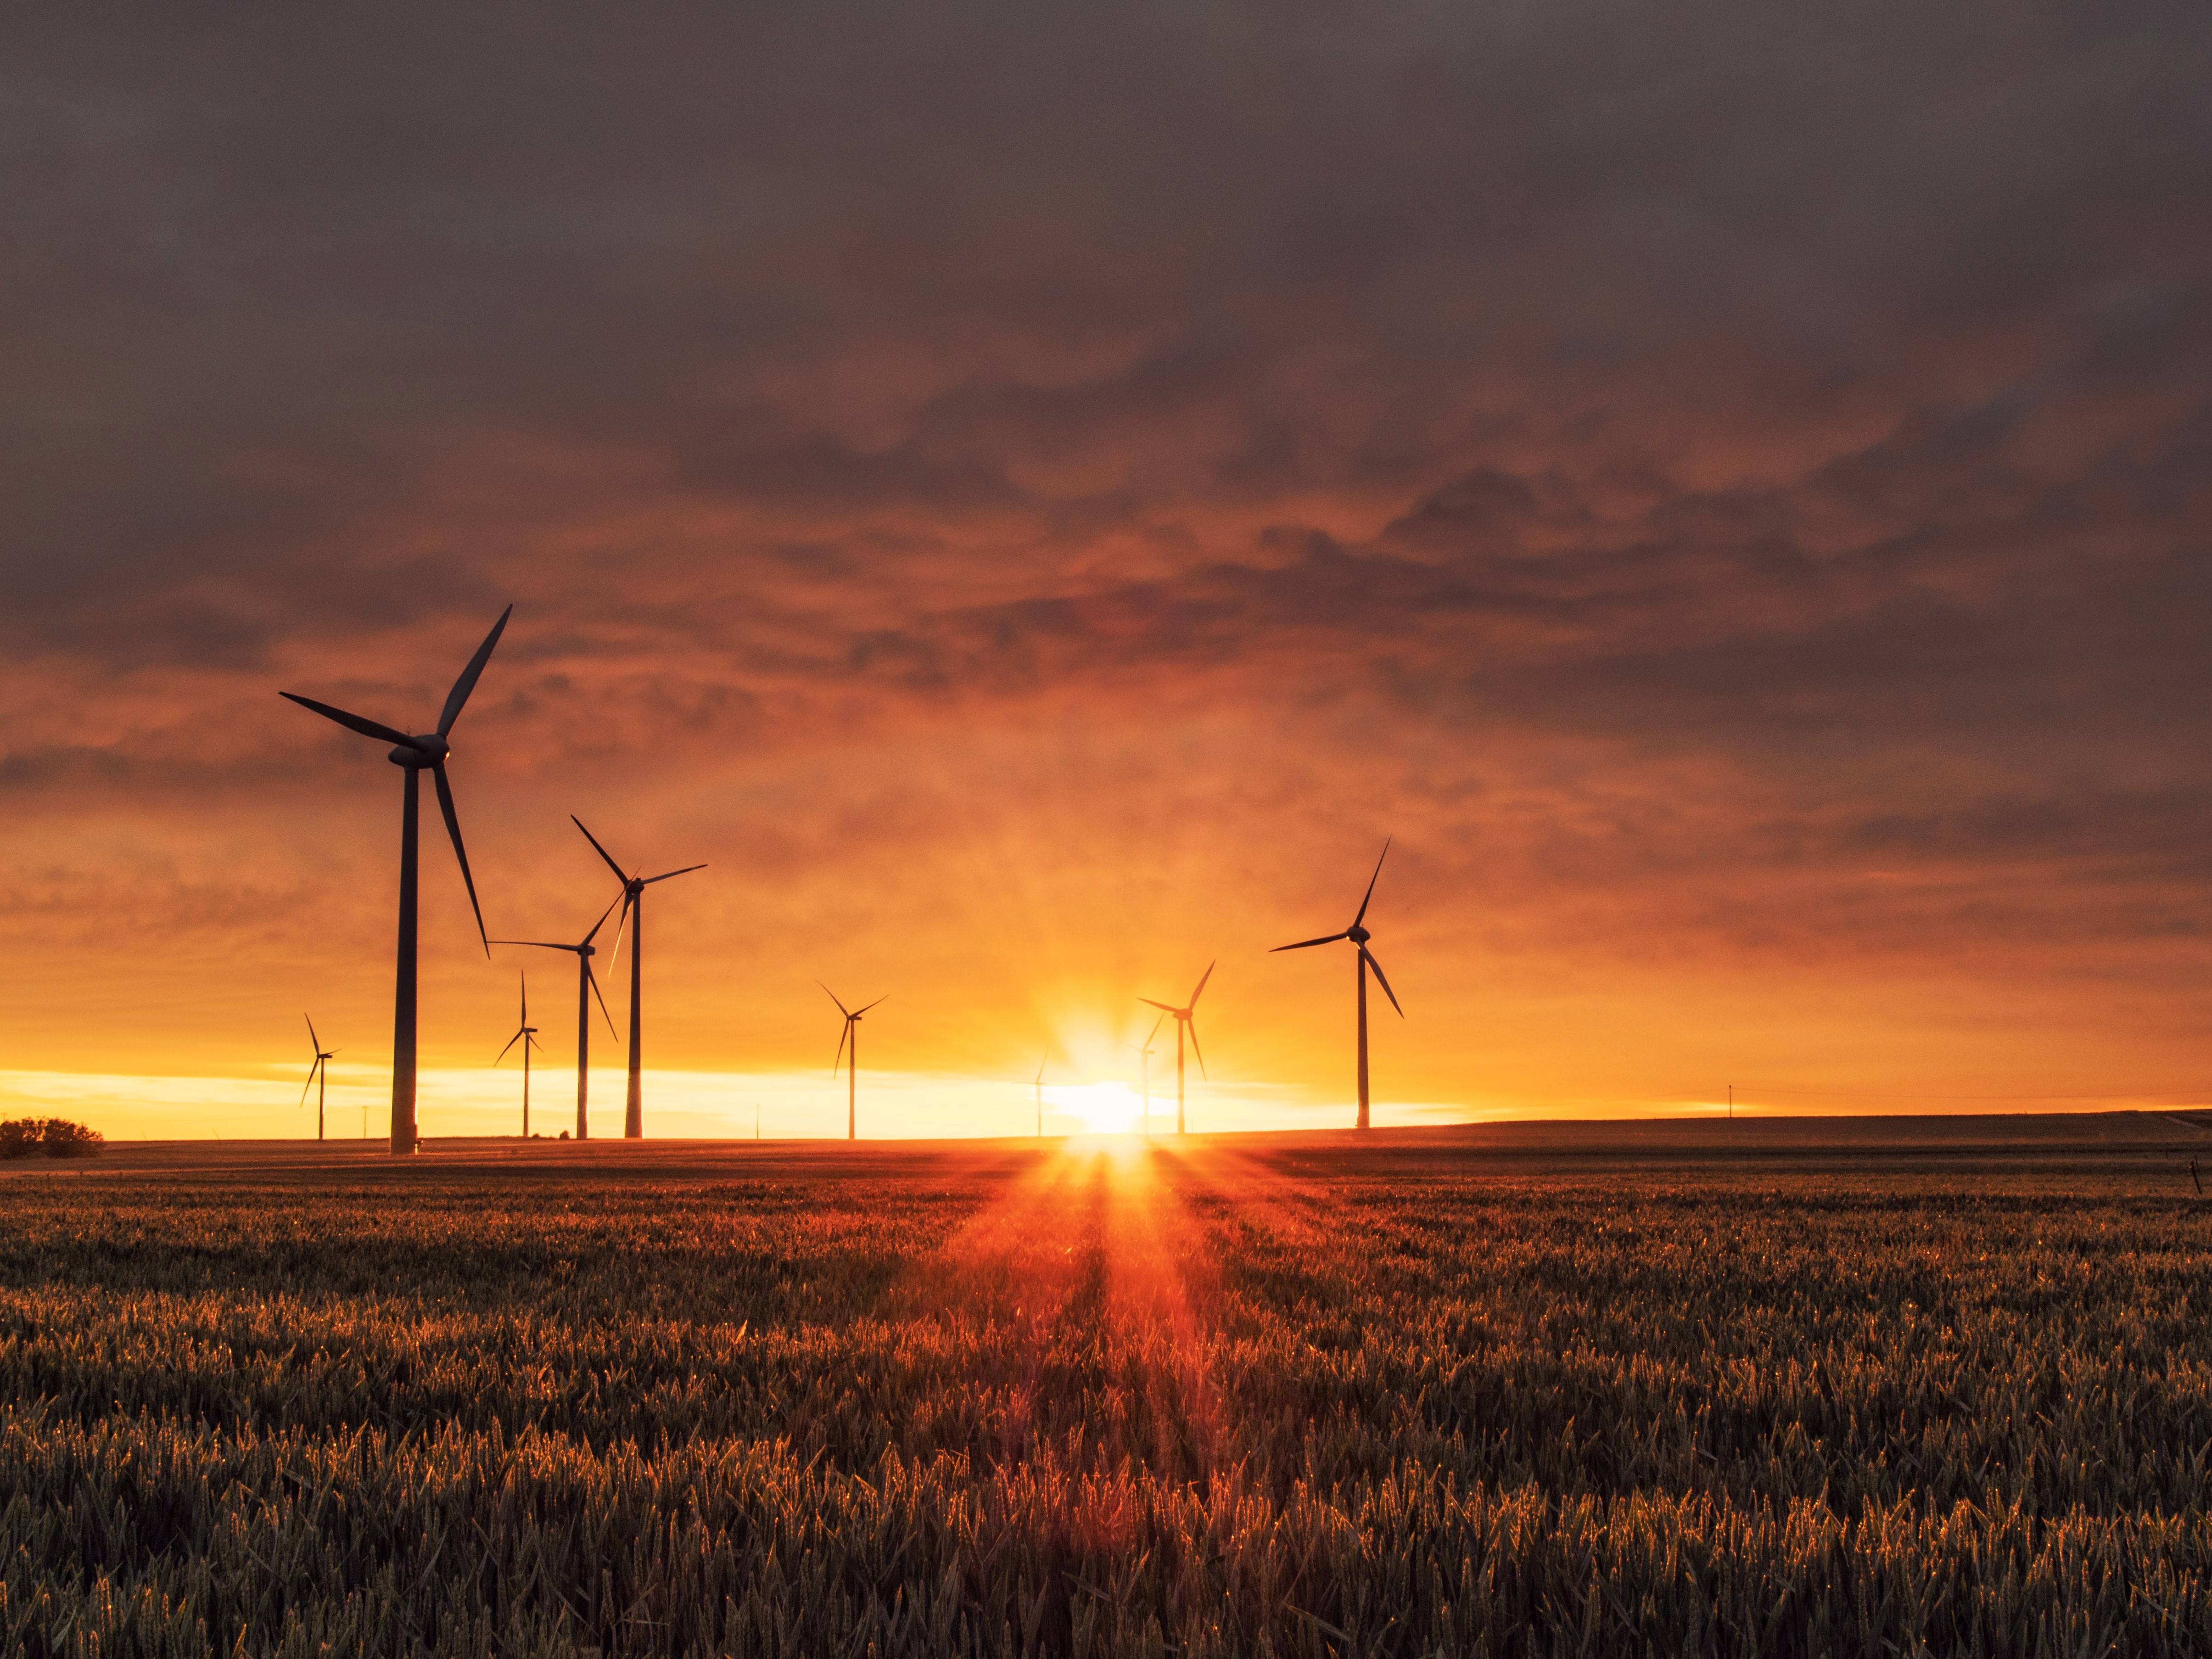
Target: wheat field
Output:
[{"x": 1769, "y": 1389}]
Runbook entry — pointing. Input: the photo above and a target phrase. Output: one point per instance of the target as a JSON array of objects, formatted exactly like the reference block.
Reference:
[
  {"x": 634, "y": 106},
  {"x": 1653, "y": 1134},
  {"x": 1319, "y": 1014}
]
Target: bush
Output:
[{"x": 49, "y": 1136}]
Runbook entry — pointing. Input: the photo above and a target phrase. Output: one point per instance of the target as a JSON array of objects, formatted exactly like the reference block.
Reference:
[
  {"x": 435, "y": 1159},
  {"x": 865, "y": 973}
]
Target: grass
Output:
[{"x": 1765, "y": 1388}]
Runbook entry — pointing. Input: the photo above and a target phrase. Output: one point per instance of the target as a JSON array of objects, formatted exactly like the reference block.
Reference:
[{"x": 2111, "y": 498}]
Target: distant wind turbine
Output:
[
  {"x": 413, "y": 756},
  {"x": 852, "y": 1034},
  {"x": 319, "y": 1074},
  {"x": 1040, "y": 1096},
  {"x": 1183, "y": 1023},
  {"x": 1358, "y": 935},
  {"x": 1144, "y": 1053},
  {"x": 587, "y": 987},
  {"x": 527, "y": 1034},
  {"x": 632, "y": 903}
]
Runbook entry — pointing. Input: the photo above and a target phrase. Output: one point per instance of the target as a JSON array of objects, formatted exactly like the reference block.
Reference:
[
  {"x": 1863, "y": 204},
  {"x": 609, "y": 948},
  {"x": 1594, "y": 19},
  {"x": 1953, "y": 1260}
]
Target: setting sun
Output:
[{"x": 1101, "y": 1108}]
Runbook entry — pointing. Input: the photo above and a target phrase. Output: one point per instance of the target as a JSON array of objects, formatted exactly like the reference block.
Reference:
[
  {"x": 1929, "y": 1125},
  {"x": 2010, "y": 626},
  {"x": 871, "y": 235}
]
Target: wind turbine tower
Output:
[
  {"x": 319, "y": 1074},
  {"x": 851, "y": 1035},
  {"x": 1358, "y": 935},
  {"x": 1184, "y": 1021},
  {"x": 527, "y": 1034},
  {"x": 424, "y": 751},
  {"x": 1144, "y": 1054},
  {"x": 632, "y": 903},
  {"x": 587, "y": 988}
]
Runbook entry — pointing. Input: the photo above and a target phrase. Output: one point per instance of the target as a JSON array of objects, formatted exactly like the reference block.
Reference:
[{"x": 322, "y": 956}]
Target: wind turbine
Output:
[
  {"x": 1183, "y": 1023},
  {"x": 319, "y": 1075},
  {"x": 633, "y": 917},
  {"x": 1358, "y": 935},
  {"x": 527, "y": 1034},
  {"x": 587, "y": 987},
  {"x": 1039, "y": 1086},
  {"x": 413, "y": 756},
  {"x": 1144, "y": 1058},
  {"x": 852, "y": 1033}
]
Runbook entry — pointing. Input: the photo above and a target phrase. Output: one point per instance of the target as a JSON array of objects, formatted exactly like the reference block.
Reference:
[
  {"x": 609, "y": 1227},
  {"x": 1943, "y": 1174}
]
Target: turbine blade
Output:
[
  {"x": 1308, "y": 943},
  {"x": 1154, "y": 1032},
  {"x": 592, "y": 979},
  {"x": 1149, "y": 1003},
  {"x": 832, "y": 995},
  {"x": 526, "y": 1001},
  {"x": 1372, "y": 880},
  {"x": 467, "y": 682},
  {"x": 310, "y": 1083},
  {"x": 367, "y": 727},
  {"x": 511, "y": 1042},
  {"x": 542, "y": 944},
  {"x": 602, "y": 921},
  {"x": 672, "y": 874},
  {"x": 614, "y": 951},
  {"x": 865, "y": 1007},
  {"x": 1195, "y": 1049},
  {"x": 841, "y": 1036},
  {"x": 1385, "y": 983},
  {"x": 620, "y": 875},
  {"x": 1202, "y": 978},
  {"x": 453, "y": 829},
  {"x": 311, "y": 1037}
]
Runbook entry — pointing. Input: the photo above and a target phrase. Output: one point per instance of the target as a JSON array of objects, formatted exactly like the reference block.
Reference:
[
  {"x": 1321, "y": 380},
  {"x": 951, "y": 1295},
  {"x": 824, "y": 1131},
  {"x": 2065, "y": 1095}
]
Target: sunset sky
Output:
[{"x": 1033, "y": 496}]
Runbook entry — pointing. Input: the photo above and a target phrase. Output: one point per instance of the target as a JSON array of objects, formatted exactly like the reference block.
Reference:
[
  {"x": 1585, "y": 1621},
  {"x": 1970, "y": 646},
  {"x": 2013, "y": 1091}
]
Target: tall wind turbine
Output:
[
  {"x": 1039, "y": 1086},
  {"x": 527, "y": 1034},
  {"x": 319, "y": 1074},
  {"x": 1183, "y": 1023},
  {"x": 1144, "y": 1053},
  {"x": 633, "y": 915},
  {"x": 1358, "y": 935},
  {"x": 852, "y": 1034},
  {"x": 413, "y": 756},
  {"x": 587, "y": 987}
]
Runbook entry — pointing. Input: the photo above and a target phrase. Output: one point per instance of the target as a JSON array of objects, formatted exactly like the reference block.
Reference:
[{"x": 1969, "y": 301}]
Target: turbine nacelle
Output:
[
  {"x": 427, "y": 750},
  {"x": 1357, "y": 935}
]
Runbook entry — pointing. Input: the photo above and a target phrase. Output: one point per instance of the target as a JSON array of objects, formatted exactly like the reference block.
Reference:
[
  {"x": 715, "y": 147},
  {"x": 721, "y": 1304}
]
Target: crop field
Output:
[{"x": 1782, "y": 1388}]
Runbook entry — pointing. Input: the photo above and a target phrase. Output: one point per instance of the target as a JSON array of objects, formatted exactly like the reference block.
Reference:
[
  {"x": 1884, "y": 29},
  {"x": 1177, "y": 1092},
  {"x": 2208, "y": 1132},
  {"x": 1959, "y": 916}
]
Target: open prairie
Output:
[{"x": 1807, "y": 1386}]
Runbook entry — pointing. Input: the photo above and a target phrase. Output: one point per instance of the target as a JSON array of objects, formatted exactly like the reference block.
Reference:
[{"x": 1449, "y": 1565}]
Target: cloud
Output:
[{"x": 1736, "y": 478}]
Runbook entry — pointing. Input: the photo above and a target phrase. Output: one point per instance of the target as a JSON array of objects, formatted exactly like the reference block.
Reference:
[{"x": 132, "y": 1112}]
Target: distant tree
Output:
[{"x": 49, "y": 1136}]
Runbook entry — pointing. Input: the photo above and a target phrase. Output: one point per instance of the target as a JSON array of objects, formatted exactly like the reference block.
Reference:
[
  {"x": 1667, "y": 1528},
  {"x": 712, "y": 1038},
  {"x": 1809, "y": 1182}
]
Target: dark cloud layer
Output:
[{"x": 1689, "y": 465}]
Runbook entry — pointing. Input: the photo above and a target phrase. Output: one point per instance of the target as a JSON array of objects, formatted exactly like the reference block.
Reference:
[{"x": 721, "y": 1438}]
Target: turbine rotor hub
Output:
[{"x": 1358, "y": 935}]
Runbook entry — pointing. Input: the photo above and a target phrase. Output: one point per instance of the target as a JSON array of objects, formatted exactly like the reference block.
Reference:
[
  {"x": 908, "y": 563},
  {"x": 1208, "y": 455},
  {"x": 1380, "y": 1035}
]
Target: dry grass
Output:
[{"x": 1436, "y": 1394}]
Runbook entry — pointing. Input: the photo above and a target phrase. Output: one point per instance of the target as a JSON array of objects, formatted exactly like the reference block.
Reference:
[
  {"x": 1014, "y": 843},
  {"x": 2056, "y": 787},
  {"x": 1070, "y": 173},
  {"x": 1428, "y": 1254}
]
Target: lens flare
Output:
[{"x": 1100, "y": 1108}]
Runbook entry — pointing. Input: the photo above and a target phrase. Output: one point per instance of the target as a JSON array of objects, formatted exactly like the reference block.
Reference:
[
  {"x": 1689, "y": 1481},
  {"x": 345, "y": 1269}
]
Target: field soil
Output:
[{"x": 1811, "y": 1386}]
